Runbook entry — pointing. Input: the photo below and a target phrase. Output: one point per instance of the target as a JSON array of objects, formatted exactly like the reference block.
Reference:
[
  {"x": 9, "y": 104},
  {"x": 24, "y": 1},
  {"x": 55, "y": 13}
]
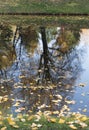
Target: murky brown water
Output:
[{"x": 44, "y": 68}]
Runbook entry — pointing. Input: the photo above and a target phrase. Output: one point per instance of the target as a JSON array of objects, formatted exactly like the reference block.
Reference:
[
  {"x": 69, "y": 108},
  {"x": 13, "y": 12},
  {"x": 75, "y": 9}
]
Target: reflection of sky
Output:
[{"x": 82, "y": 93}]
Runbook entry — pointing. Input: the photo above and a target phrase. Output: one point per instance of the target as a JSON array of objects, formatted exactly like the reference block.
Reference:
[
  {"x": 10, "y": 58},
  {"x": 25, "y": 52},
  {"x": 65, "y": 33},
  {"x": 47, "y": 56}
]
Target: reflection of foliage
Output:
[
  {"x": 50, "y": 34},
  {"x": 67, "y": 39},
  {"x": 29, "y": 38},
  {"x": 7, "y": 52},
  {"x": 5, "y": 33}
]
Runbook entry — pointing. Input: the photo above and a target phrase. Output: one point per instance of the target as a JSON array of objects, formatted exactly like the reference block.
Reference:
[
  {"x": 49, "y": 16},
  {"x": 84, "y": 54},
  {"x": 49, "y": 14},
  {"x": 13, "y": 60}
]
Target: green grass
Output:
[
  {"x": 43, "y": 6},
  {"x": 33, "y": 122}
]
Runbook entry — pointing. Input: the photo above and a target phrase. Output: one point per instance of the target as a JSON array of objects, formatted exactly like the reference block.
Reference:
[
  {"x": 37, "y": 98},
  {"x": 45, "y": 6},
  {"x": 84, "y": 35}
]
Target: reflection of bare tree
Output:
[{"x": 59, "y": 62}]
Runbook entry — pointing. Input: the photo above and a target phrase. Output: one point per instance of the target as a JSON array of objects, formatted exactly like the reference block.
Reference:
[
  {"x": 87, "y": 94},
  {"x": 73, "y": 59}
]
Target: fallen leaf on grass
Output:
[
  {"x": 11, "y": 121},
  {"x": 84, "y": 118},
  {"x": 23, "y": 120},
  {"x": 31, "y": 117},
  {"x": 53, "y": 120},
  {"x": 73, "y": 127},
  {"x": 3, "y": 128},
  {"x": 1, "y": 122},
  {"x": 83, "y": 124},
  {"x": 61, "y": 121}
]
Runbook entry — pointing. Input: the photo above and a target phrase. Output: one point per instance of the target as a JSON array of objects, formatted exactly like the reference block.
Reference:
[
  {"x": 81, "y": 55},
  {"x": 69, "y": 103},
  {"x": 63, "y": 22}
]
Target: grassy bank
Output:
[
  {"x": 80, "y": 22},
  {"x": 42, "y": 121},
  {"x": 50, "y": 6}
]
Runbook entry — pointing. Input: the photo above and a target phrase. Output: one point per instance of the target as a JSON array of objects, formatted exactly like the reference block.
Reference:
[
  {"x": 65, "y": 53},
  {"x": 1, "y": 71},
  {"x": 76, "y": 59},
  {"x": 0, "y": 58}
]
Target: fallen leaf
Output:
[
  {"x": 73, "y": 127},
  {"x": 83, "y": 124},
  {"x": 3, "y": 128},
  {"x": 39, "y": 125},
  {"x": 84, "y": 110},
  {"x": 53, "y": 120},
  {"x": 23, "y": 120},
  {"x": 1, "y": 122},
  {"x": 61, "y": 121},
  {"x": 15, "y": 126},
  {"x": 16, "y": 104},
  {"x": 31, "y": 117},
  {"x": 11, "y": 121},
  {"x": 82, "y": 84},
  {"x": 84, "y": 118}
]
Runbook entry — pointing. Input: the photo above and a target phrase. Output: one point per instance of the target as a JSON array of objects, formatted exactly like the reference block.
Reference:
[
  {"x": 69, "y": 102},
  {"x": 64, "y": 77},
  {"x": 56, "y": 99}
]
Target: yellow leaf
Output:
[
  {"x": 35, "y": 128},
  {"x": 19, "y": 116},
  {"x": 15, "y": 126},
  {"x": 53, "y": 120},
  {"x": 73, "y": 127},
  {"x": 84, "y": 110},
  {"x": 61, "y": 121},
  {"x": 0, "y": 113},
  {"x": 16, "y": 104},
  {"x": 55, "y": 112},
  {"x": 11, "y": 121},
  {"x": 1, "y": 122},
  {"x": 5, "y": 99},
  {"x": 31, "y": 117},
  {"x": 3, "y": 128},
  {"x": 84, "y": 118}
]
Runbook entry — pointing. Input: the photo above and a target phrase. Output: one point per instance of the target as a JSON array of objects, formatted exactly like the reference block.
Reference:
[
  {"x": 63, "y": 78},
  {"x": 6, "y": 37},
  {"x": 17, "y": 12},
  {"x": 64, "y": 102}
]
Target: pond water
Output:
[{"x": 44, "y": 69}]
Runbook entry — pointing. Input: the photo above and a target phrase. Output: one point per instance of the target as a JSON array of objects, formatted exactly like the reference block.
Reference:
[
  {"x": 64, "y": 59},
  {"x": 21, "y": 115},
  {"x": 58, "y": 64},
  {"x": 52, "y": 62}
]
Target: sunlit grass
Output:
[
  {"x": 44, "y": 122},
  {"x": 50, "y": 6}
]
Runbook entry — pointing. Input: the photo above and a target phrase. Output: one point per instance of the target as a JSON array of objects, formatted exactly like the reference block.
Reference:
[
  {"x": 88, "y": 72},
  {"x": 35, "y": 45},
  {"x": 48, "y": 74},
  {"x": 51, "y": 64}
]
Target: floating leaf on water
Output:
[
  {"x": 83, "y": 94},
  {"x": 70, "y": 102},
  {"x": 84, "y": 110},
  {"x": 59, "y": 96},
  {"x": 42, "y": 106},
  {"x": 16, "y": 104},
  {"x": 82, "y": 84}
]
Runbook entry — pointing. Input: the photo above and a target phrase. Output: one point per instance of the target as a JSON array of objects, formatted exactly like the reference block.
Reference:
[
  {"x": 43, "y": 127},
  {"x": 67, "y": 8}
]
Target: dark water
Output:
[{"x": 44, "y": 68}]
